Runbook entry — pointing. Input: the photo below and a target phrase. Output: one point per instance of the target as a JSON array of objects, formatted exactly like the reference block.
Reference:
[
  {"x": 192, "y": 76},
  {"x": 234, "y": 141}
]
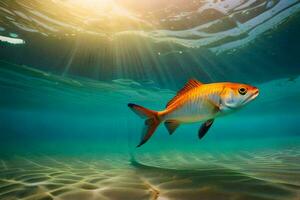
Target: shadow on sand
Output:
[{"x": 210, "y": 183}]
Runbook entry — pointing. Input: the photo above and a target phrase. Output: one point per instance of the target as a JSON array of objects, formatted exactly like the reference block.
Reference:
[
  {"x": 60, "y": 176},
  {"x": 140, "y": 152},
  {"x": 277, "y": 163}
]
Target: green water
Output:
[
  {"x": 75, "y": 138},
  {"x": 68, "y": 69}
]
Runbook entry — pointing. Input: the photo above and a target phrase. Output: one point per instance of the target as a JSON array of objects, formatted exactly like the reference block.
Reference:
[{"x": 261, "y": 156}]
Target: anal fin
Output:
[{"x": 171, "y": 125}]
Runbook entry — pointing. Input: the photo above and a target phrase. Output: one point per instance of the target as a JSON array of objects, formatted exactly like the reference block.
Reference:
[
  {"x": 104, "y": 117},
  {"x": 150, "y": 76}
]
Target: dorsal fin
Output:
[{"x": 192, "y": 83}]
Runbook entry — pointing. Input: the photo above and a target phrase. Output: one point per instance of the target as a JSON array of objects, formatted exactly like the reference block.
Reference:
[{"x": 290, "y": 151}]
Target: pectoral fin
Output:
[
  {"x": 204, "y": 128},
  {"x": 171, "y": 125}
]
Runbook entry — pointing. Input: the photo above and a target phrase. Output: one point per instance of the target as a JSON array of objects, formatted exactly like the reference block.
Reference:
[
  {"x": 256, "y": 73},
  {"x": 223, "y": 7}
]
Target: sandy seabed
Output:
[{"x": 265, "y": 175}]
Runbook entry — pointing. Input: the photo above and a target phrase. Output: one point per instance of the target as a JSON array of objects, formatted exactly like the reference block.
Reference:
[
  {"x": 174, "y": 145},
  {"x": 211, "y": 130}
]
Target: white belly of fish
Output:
[{"x": 190, "y": 112}]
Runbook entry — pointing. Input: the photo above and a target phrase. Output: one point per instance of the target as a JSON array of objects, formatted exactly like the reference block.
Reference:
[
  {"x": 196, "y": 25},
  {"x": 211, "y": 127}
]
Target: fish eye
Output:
[{"x": 242, "y": 91}]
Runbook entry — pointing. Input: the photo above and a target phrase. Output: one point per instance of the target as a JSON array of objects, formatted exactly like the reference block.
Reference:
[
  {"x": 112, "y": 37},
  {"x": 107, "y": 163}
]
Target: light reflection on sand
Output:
[{"x": 244, "y": 175}]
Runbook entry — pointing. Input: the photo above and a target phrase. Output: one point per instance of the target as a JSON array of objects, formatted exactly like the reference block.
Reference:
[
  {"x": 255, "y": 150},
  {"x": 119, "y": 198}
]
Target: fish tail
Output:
[{"x": 151, "y": 121}]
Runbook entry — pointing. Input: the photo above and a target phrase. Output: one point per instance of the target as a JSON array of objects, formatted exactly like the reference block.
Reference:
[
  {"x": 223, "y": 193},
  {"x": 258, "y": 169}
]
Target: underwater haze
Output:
[{"x": 68, "y": 69}]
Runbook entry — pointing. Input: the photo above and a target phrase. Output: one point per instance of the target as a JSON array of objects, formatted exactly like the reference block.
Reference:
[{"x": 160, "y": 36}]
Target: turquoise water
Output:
[{"x": 68, "y": 69}]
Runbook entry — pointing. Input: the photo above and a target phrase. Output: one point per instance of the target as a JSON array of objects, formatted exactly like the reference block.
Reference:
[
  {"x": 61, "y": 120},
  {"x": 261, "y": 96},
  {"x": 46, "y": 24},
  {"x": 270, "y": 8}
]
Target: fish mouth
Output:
[
  {"x": 256, "y": 93},
  {"x": 251, "y": 97}
]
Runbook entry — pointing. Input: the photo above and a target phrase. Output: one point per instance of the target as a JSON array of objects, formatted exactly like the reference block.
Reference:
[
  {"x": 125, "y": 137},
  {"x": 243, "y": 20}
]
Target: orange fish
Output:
[{"x": 196, "y": 102}]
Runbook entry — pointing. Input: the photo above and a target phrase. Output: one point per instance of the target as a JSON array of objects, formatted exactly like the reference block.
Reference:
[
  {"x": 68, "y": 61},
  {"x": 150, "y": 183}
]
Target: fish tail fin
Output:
[{"x": 151, "y": 123}]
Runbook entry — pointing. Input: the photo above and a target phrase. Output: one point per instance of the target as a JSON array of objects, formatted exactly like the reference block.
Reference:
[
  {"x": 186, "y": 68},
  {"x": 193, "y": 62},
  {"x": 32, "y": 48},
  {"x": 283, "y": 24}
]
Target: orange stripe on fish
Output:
[{"x": 196, "y": 102}]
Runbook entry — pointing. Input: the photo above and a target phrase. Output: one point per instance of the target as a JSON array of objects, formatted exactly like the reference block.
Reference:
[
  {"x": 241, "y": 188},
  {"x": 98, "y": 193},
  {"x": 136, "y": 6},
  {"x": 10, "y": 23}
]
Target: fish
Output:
[{"x": 196, "y": 102}]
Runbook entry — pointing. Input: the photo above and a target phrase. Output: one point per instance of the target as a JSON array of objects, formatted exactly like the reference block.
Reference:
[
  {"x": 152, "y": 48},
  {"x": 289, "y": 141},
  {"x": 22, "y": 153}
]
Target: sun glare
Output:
[
  {"x": 92, "y": 4},
  {"x": 103, "y": 6}
]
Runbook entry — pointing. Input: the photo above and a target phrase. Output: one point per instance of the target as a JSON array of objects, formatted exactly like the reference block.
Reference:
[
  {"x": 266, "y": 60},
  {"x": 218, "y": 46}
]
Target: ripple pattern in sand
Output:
[{"x": 246, "y": 175}]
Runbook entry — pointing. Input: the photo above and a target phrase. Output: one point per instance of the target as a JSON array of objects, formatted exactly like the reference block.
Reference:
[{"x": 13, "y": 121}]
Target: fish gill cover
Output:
[{"x": 68, "y": 69}]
